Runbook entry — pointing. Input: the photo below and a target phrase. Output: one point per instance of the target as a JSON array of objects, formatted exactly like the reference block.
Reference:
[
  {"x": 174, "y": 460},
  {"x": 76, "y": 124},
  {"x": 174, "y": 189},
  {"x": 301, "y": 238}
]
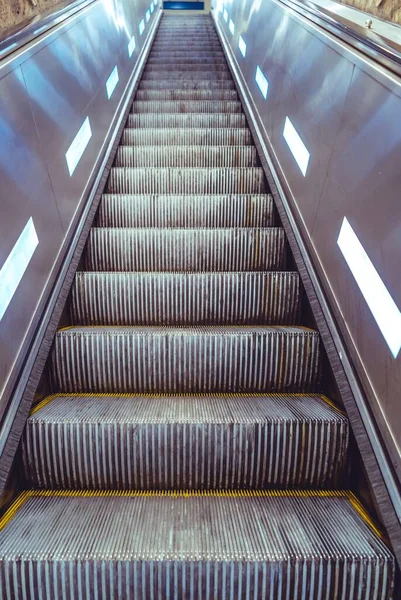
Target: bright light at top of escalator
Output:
[
  {"x": 242, "y": 46},
  {"x": 262, "y": 82},
  {"x": 225, "y": 15},
  {"x": 147, "y": 15},
  {"x": 296, "y": 145},
  {"x": 232, "y": 26},
  {"x": 141, "y": 27},
  {"x": 383, "y": 308}
]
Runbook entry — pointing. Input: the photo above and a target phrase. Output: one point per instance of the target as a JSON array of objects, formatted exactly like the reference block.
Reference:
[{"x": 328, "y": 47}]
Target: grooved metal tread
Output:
[
  {"x": 168, "y": 95},
  {"x": 206, "y": 74},
  {"x": 169, "y": 120},
  {"x": 175, "y": 180},
  {"x": 185, "y": 298},
  {"x": 185, "y": 59},
  {"x": 187, "y": 106},
  {"x": 185, "y": 442},
  {"x": 186, "y": 211},
  {"x": 194, "y": 84},
  {"x": 183, "y": 360},
  {"x": 187, "y": 137},
  {"x": 186, "y": 156},
  {"x": 165, "y": 249},
  {"x": 182, "y": 66},
  {"x": 243, "y": 545}
]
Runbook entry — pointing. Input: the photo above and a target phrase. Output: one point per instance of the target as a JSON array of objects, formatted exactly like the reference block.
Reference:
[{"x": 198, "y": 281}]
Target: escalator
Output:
[{"x": 187, "y": 449}]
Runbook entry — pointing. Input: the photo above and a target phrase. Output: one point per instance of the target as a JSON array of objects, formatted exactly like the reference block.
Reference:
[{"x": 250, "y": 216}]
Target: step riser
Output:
[
  {"x": 181, "y": 250},
  {"x": 186, "y": 211},
  {"x": 186, "y": 181},
  {"x": 176, "y": 54},
  {"x": 155, "y": 360},
  {"x": 136, "y": 449},
  {"x": 200, "y": 84},
  {"x": 186, "y": 156},
  {"x": 187, "y": 137},
  {"x": 206, "y": 75},
  {"x": 184, "y": 106},
  {"x": 191, "y": 95},
  {"x": 183, "y": 59},
  {"x": 185, "y": 299},
  {"x": 188, "y": 120},
  {"x": 181, "y": 67}
]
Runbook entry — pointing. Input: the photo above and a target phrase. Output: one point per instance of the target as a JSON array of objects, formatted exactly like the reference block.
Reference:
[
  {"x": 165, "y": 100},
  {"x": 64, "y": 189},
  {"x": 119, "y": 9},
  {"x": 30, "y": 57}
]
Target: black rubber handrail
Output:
[{"x": 13, "y": 39}]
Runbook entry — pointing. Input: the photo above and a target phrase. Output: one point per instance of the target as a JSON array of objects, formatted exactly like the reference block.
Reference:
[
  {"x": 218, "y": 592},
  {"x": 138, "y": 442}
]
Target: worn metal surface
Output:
[
  {"x": 186, "y": 156},
  {"x": 194, "y": 546},
  {"x": 185, "y": 442},
  {"x": 185, "y": 298}
]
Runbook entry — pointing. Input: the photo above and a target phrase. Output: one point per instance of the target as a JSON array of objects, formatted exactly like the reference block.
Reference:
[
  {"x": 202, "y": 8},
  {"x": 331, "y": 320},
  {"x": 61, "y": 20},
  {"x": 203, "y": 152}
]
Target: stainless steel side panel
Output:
[
  {"x": 346, "y": 111},
  {"x": 47, "y": 90}
]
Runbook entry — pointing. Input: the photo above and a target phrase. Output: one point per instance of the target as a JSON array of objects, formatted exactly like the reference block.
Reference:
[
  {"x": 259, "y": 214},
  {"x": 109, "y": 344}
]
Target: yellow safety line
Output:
[
  {"x": 43, "y": 403},
  {"x": 365, "y": 515},
  {"x": 15, "y": 506}
]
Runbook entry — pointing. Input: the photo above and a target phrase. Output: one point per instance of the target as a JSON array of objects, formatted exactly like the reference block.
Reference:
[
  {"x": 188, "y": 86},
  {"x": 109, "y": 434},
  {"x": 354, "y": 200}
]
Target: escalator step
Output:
[
  {"x": 168, "y": 121},
  {"x": 184, "y": 59},
  {"x": 185, "y": 360},
  {"x": 187, "y": 106},
  {"x": 169, "y": 95},
  {"x": 173, "y": 76},
  {"x": 185, "y": 84},
  {"x": 279, "y": 545},
  {"x": 178, "y": 54},
  {"x": 185, "y": 298},
  {"x": 186, "y": 211},
  {"x": 185, "y": 442},
  {"x": 185, "y": 250},
  {"x": 186, "y": 156},
  {"x": 125, "y": 180},
  {"x": 187, "y": 137},
  {"x": 179, "y": 66}
]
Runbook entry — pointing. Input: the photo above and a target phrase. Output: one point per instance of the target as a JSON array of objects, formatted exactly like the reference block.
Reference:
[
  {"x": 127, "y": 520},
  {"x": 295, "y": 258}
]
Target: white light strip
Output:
[
  {"x": 242, "y": 46},
  {"x": 16, "y": 264},
  {"x": 262, "y": 82},
  {"x": 232, "y": 26},
  {"x": 225, "y": 15},
  {"x": 383, "y": 308},
  {"x": 77, "y": 148},
  {"x": 141, "y": 27},
  {"x": 111, "y": 83},
  {"x": 147, "y": 15},
  {"x": 131, "y": 46},
  {"x": 296, "y": 145},
  {"x": 152, "y": 8}
]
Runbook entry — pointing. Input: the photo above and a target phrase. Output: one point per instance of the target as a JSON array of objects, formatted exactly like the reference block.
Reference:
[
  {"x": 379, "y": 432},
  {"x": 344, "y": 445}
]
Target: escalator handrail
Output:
[
  {"x": 384, "y": 46},
  {"x": 13, "y": 39}
]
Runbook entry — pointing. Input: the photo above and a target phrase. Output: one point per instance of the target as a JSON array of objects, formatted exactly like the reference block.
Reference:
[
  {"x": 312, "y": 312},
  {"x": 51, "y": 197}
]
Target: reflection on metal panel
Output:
[
  {"x": 232, "y": 26},
  {"x": 111, "y": 83},
  {"x": 242, "y": 46},
  {"x": 262, "y": 82},
  {"x": 131, "y": 46},
  {"x": 152, "y": 7},
  {"x": 77, "y": 148},
  {"x": 381, "y": 304},
  {"x": 141, "y": 27},
  {"x": 225, "y": 15},
  {"x": 296, "y": 145},
  {"x": 16, "y": 264},
  {"x": 147, "y": 15}
]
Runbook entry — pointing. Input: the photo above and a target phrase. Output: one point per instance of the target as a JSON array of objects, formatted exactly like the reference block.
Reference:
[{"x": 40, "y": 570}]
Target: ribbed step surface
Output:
[
  {"x": 169, "y": 95},
  {"x": 186, "y": 156},
  {"x": 127, "y": 249},
  {"x": 279, "y": 545},
  {"x": 169, "y": 120},
  {"x": 188, "y": 211},
  {"x": 184, "y": 360},
  {"x": 206, "y": 74},
  {"x": 185, "y": 442},
  {"x": 185, "y": 84},
  {"x": 186, "y": 137},
  {"x": 187, "y": 106},
  {"x": 185, "y": 298},
  {"x": 125, "y": 180},
  {"x": 182, "y": 66},
  {"x": 184, "y": 59}
]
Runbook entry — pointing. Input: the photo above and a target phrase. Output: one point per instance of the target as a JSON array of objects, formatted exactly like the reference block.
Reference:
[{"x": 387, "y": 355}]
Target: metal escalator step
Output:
[
  {"x": 183, "y": 120},
  {"x": 242, "y": 298},
  {"x": 169, "y": 95},
  {"x": 187, "y": 137},
  {"x": 182, "y": 54},
  {"x": 184, "y": 59},
  {"x": 278, "y": 545},
  {"x": 188, "y": 75},
  {"x": 192, "y": 67},
  {"x": 185, "y": 442},
  {"x": 185, "y": 250},
  {"x": 186, "y": 156},
  {"x": 189, "y": 211},
  {"x": 194, "y": 84},
  {"x": 184, "y": 360},
  {"x": 190, "y": 45},
  {"x": 125, "y": 180},
  {"x": 187, "y": 106}
]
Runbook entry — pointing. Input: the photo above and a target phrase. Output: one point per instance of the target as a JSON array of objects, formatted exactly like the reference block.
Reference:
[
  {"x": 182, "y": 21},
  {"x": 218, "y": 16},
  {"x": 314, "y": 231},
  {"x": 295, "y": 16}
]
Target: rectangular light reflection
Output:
[
  {"x": 225, "y": 15},
  {"x": 262, "y": 82},
  {"x": 242, "y": 46},
  {"x": 77, "y": 148},
  {"x": 131, "y": 46},
  {"x": 147, "y": 15},
  {"x": 111, "y": 83},
  {"x": 382, "y": 306},
  {"x": 152, "y": 8},
  {"x": 232, "y": 26},
  {"x": 141, "y": 27},
  {"x": 16, "y": 264},
  {"x": 296, "y": 145}
]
